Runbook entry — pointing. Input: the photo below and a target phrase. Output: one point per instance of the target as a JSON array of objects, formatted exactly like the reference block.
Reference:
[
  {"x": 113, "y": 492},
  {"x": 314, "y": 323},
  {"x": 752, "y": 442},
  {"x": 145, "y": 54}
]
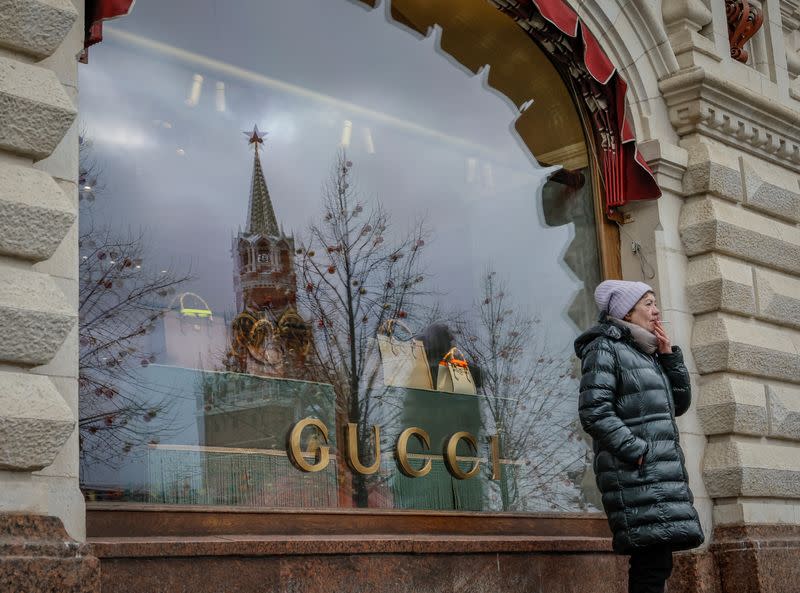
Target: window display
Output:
[
  {"x": 367, "y": 300},
  {"x": 405, "y": 363}
]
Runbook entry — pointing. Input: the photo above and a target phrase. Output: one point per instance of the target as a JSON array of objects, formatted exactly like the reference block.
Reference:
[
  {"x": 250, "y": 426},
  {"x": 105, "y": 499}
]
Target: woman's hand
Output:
[{"x": 664, "y": 343}]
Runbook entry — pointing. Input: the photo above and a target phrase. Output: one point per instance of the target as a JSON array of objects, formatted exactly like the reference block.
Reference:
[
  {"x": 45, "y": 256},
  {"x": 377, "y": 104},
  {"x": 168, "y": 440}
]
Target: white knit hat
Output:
[{"x": 618, "y": 297}]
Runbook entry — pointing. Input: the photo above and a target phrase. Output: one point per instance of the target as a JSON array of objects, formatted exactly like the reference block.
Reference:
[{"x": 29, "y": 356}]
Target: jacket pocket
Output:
[{"x": 643, "y": 464}]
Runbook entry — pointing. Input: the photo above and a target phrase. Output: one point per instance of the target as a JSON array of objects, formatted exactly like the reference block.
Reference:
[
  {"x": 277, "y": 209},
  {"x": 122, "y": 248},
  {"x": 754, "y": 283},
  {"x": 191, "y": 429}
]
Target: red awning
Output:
[
  {"x": 626, "y": 174},
  {"x": 98, "y": 11}
]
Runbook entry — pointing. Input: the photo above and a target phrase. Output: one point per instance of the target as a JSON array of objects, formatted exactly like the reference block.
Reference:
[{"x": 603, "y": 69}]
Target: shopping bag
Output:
[
  {"x": 454, "y": 374},
  {"x": 405, "y": 363}
]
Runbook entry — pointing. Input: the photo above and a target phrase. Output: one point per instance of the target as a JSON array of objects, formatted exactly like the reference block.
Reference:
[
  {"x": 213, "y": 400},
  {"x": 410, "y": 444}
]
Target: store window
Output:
[{"x": 369, "y": 298}]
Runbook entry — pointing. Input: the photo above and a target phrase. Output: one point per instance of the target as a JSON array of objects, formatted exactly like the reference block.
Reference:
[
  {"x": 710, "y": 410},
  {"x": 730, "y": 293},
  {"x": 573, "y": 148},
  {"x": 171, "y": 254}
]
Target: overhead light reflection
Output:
[
  {"x": 194, "y": 91},
  {"x": 244, "y": 74},
  {"x": 219, "y": 97},
  {"x": 488, "y": 178},
  {"x": 347, "y": 133},
  {"x": 368, "y": 141},
  {"x": 472, "y": 169}
]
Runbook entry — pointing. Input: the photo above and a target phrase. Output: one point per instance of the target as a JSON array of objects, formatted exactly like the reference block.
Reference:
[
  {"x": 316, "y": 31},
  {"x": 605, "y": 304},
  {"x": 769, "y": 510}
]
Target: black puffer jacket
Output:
[{"x": 628, "y": 404}]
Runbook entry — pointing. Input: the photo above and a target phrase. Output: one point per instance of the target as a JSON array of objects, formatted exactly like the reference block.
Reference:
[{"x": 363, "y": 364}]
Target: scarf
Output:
[{"x": 646, "y": 342}]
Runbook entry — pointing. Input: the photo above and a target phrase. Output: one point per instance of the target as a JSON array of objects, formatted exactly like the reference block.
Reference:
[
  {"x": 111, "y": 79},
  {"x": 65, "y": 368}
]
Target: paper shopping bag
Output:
[
  {"x": 405, "y": 363},
  {"x": 454, "y": 375}
]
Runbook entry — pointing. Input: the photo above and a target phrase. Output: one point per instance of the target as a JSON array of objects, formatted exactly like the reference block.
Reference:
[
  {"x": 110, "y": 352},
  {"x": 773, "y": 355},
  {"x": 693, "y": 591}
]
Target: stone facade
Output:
[
  {"x": 727, "y": 253},
  {"x": 723, "y": 243},
  {"x": 39, "y": 42}
]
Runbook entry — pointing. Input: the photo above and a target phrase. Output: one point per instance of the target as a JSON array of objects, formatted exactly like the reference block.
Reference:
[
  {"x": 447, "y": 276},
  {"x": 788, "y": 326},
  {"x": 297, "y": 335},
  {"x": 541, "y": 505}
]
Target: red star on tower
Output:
[{"x": 255, "y": 137}]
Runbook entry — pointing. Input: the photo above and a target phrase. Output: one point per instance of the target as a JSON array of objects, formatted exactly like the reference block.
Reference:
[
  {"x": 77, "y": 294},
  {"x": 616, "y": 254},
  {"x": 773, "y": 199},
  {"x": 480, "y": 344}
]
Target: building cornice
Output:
[
  {"x": 667, "y": 161},
  {"x": 790, "y": 14},
  {"x": 700, "y": 102}
]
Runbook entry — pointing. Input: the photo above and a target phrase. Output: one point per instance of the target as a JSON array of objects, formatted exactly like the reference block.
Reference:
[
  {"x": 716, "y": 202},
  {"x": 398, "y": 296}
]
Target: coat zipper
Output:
[{"x": 668, "y": 389}]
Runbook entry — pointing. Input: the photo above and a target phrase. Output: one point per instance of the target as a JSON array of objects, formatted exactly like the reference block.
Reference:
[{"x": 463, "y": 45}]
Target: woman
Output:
[{"x": 634, "y": 383}]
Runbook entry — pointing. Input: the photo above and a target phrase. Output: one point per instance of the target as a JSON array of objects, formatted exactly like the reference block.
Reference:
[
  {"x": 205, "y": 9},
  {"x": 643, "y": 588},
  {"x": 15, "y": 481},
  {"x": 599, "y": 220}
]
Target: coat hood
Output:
[{"x": 604, "y": 329}]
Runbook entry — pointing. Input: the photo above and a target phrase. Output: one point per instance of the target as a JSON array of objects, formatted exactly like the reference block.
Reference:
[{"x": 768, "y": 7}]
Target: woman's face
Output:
[{"x": 645, "y": 313}]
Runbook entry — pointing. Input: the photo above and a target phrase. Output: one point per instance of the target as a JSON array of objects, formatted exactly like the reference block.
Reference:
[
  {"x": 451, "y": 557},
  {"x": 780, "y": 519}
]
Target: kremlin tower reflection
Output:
[
  {"x": 230, "y": 384},
  {"x": 268, "y": 336}
]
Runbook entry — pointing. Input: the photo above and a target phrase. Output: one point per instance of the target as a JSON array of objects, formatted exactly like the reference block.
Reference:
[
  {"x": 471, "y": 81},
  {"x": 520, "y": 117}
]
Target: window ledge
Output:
[
  {"x": 273, "y": 545},
  {"x": 131, "y": 523}
]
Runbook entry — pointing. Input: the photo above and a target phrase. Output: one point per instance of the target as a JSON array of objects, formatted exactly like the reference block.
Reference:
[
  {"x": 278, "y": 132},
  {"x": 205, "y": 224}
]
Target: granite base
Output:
[
  {"x": 38, "y": 556},
  {"x": 382, "y": 573},
  {"x": 145, "y": 550},
  {"x": 377, "y": 564},
  {"x": 758, "y": 558}
]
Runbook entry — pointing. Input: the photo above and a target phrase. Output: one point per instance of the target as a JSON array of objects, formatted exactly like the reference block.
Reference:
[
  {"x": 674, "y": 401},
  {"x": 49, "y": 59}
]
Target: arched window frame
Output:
[{"x": 108, "y": 520}]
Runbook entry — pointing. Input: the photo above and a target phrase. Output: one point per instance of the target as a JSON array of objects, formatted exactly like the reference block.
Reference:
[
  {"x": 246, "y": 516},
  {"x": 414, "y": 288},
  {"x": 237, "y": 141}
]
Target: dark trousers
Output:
[{"x": 649, "y": 569}]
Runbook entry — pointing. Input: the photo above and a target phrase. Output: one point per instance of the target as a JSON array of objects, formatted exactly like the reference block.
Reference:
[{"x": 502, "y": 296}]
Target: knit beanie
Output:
[{"x": 618, "y": 297}]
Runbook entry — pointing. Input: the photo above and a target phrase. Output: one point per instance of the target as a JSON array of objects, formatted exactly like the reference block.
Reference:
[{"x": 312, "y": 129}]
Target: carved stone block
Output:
[
  {"x": 726, "y": 343},
  {"x": 708, "y": 177},
  {"x": 35, "y": 215},
  {"x": 35, "y": 421},
  {"x": 710, "y": 224},
  {"x": 767, "y": 197},
  {"x": 784, "y": 411},
  {"x": 715, "y": 282},
  {"x": 35, "y": 317},
  {"x": 750, "y": 468},
  {"x": 778, "y": 297},
  {"x": 35, "y": 27},
  {"x": 732, "y": 404},
  {"x": 34, "y": 109}
]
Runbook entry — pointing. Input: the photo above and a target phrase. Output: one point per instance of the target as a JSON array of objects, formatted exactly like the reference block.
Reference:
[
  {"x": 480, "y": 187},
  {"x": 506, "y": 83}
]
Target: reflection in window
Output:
[{"x": 385, "y": 251}]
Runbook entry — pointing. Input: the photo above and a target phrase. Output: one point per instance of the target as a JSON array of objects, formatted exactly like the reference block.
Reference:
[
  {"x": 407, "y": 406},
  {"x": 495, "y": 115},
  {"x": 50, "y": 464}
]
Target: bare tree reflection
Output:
[
  {"x": 120, "y": 299},
  {"x": 527, "y": 389},
  {"x": 355, "y": 274}
]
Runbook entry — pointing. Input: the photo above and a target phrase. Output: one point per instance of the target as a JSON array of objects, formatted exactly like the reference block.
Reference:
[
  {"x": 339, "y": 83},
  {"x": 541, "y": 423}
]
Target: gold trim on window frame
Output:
[{"x": 128, "y": 519}]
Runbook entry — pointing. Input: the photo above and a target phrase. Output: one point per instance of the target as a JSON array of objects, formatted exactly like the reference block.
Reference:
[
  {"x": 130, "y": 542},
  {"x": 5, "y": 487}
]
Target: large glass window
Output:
[{"x": 369, "y": 298}]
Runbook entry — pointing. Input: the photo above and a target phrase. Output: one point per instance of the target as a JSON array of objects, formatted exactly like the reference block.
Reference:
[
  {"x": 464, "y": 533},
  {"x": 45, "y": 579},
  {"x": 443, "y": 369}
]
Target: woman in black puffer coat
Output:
[{"x": 633, "y": 385}]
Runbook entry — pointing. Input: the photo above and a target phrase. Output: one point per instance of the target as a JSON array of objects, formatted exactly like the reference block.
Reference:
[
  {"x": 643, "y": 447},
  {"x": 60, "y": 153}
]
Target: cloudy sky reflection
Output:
[{"x": 429, "y": 139}]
